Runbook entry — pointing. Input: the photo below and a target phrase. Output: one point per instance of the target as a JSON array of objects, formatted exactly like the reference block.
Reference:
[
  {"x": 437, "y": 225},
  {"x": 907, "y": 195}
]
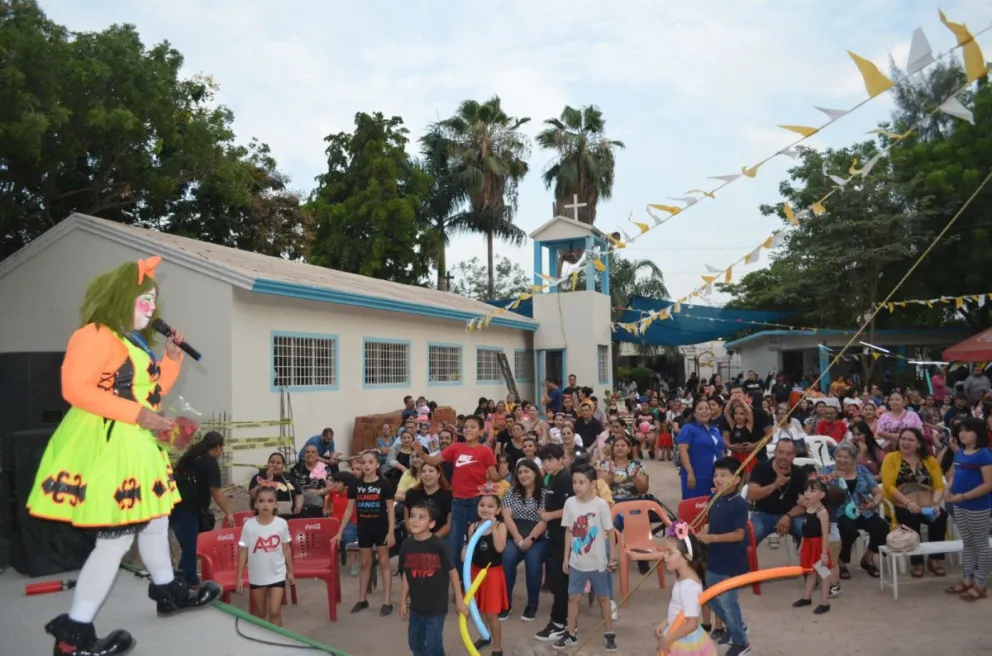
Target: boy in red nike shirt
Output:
[{"x": 473, "y": 464}]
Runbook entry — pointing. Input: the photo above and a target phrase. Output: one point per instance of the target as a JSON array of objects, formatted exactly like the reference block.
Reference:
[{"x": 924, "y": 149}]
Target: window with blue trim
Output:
[
  {"x": 387, "y": 363},
  {"x": 444, "y": 364},
  {"x": 487, "y": 365},
  {"x": 523, "y": 366},
  {"x": 603, "y": 362},
  {"x": 304, "y": 361}
]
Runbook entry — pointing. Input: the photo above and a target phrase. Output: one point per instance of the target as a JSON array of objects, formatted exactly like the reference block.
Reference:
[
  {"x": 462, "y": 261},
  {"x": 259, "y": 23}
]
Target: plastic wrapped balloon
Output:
[
  {"x": 645, "y": 427},
  {"x": 186, "y": 425}
]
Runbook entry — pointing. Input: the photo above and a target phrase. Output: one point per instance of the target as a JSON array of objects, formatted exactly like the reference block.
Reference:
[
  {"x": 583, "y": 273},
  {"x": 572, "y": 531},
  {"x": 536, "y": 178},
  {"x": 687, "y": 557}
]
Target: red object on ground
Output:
[{"x": 48, "y": 587}]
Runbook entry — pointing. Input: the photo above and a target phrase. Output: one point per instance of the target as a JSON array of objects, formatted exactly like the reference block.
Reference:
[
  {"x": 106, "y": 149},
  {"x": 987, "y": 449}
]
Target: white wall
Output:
[
  {"x": 257, "y": 315},
  {"x": 40, "y": 300},
  {"x": 755, "y": 355},
  {"x": 578, "y": 322}
]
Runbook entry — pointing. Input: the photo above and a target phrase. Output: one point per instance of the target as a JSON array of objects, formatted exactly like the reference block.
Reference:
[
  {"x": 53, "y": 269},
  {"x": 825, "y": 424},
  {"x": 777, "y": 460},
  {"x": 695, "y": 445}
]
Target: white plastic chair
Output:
[{"x": 818, "y": 447}]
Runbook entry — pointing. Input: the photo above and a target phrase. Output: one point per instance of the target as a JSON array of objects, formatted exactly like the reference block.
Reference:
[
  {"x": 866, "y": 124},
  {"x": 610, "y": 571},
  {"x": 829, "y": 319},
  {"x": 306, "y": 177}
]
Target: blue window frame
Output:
[
  {"x": 523, "y": 365},
  {"x": 444, "y": 364},
  {"x": 487, "y": 364},
  {"x": 385, "y": 363},
  {"x": 303, "y": 362}
]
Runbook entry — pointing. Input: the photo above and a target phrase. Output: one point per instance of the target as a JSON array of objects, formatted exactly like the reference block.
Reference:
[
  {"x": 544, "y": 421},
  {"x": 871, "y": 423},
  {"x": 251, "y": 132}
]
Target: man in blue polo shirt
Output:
[
  {"x": 725, "y": 537},
  {"x": 554, "y": 399}
]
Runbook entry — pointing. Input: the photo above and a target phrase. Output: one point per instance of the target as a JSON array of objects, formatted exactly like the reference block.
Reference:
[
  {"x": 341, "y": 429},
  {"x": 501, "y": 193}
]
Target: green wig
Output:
[{"x": 110, "y": 299}]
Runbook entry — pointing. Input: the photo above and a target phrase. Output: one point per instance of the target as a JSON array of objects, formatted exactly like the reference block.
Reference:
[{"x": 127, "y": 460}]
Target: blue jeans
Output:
[
  {"x": 533, "y": 560},
  {"x": 764, "y": 525},
  {"x": 463, "y": 513},
  {"x": 425, "y": 634},
  {"x": 728, "y": 609},
  {"x": 186, "y": 526}
]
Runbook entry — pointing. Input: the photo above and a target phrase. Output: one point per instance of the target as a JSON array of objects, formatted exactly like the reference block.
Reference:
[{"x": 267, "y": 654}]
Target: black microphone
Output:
[{"x": 160, "y": 326}]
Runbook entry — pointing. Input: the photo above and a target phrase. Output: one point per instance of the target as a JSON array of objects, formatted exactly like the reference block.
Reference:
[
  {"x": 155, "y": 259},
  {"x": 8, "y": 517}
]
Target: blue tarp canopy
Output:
[{"x": 693, "y": 325}]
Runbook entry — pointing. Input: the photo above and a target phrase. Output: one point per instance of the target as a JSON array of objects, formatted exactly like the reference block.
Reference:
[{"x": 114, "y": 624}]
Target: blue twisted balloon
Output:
[{"x": 473, "y": 609}]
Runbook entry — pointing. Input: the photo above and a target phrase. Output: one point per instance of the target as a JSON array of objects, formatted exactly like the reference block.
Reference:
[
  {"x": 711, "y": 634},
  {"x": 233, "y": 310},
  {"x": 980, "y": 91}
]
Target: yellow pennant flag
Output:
[
  {"x": 818, "y": 208},
  {"x": 876, "y": 355},
  {"x": 959, "y": 303},
  {"x": 801, "y": 129},
  {"x": 677, "y": 307},
  {"x": 575, "y": 280},
  {"x": 875, "y": 81},
  {"x": 471, "y": 326},
  {"x": 500, "y": 310},
  {"x": 598, "y": 264},
  {"x": 708, "y": 279},
  {"x": 728, "y": 276},
  {"x": 768, "y": 242},
  {"x": 671, "y": 209},
  {"x": 891, "y": 135},
  {"x": 974, "y": 62},
  {"x": 750, "y": 172},
  {"x": 789, "y": 215},
  {"x": 929, "y": 304},
  {"x": 643, "y": 226},
  {"x": 515, "y": 304},
  {"x": 708, "y": 194},
  {"x": 891, "y": 306},
  {"x": 854, "y": 167}
]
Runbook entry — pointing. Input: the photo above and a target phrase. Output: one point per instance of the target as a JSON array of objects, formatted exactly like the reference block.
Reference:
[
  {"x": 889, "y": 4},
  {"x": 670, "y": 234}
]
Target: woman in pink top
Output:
[
  {"x": 892, "y": 423},
  {"x": 939, "y": 386}
]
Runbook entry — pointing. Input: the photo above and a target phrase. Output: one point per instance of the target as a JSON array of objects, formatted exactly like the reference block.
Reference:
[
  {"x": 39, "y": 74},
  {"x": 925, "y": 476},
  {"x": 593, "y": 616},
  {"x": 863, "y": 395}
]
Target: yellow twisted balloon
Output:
[{"x": 463, "y": 620}]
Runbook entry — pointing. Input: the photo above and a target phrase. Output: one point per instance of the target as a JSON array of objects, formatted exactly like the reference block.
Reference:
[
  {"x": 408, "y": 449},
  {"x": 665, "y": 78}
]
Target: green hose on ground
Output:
[{"x": 248, "y": 617}]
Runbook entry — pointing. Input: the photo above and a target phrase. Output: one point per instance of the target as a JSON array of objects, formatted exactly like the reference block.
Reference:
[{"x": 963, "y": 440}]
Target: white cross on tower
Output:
[{"x": 575, "y": 206}]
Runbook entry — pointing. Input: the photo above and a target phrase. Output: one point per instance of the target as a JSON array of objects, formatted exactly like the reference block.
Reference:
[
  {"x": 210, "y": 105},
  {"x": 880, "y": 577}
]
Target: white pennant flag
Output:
[
  {"x": 688, "y": 200},
  {"x": 954, "y": 107},
  {"x": 753, "y": 256},
  {"x": 707, "y": 290},
  {"x": 840, "y": 182},
  {"x": 789, "y": 152},
  {"x": 920, "y": 54},
  {"x": 725, "y": 178},
  {"x": 870, "y": 164},
  {"x": 982, "y": 300},
  {"x": 712, "y": 269},
  {"x": 778, "y": 238},
  {"x": 832, "y": 114}
]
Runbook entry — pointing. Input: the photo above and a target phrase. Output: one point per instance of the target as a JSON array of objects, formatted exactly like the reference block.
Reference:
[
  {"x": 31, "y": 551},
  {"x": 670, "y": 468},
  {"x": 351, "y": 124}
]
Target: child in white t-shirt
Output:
[
  {"x": 266, "y": 549},
  {"x": 684, "y": 557}
]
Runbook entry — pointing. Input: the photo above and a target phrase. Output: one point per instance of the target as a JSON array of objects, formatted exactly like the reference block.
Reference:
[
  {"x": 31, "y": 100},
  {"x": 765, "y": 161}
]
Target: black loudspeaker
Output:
[
  {"x": 38, "y": 547},
  {"x": 30, "y": 398}
]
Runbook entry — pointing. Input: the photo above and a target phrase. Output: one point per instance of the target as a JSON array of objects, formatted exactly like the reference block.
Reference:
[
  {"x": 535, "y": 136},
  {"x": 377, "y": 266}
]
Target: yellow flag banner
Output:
[{"x": 959, "y": 302}]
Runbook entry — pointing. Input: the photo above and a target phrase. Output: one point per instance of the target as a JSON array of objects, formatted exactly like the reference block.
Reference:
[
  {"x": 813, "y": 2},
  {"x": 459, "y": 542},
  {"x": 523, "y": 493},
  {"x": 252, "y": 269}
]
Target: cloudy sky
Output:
[{"x": 694, "y": 89}]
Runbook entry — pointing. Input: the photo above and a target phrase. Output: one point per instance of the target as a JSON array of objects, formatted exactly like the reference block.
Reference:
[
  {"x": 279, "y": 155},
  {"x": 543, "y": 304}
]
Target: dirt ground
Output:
[{"x": 859, "y": 622}]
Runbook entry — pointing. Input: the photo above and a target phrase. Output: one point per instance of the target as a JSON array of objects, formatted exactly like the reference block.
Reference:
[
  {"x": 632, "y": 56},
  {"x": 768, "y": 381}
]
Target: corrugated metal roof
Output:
[{"x": 266, "y": 267}]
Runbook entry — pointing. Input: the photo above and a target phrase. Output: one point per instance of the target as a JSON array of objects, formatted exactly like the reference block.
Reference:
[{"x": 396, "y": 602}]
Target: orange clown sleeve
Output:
[
  {"x": 91, "y": 355},
  {"x": 168, "y": 372}
]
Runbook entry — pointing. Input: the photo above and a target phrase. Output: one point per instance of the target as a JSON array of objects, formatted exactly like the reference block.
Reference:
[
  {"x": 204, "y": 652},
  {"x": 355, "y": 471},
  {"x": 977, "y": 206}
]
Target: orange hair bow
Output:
[{"x": 146, "y": 267}]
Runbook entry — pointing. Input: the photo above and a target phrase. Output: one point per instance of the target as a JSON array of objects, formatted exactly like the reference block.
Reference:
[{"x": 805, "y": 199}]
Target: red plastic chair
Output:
[
  {"x": 315, "y": 556},
  {"x": 752, "y": 556},
  {"x": 218, "y": 554},
  {"x": 690, "y": 509},
  {"x": 240, "y": 518},
  {"x": 636, "y": 542}
]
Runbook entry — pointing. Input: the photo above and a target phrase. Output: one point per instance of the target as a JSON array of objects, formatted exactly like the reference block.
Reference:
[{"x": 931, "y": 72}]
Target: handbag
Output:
[{"x": 902, "y": 539}]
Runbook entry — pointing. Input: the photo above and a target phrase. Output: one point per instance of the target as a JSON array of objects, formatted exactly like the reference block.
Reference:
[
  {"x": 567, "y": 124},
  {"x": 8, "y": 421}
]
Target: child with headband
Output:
[{"x": 684, "y": 556}]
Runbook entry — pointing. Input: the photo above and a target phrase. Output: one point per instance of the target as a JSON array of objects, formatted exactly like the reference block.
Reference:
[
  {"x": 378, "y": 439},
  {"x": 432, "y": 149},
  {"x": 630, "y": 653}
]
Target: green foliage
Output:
[
  {"x": 471, "y": 279},
  {"x": 640, "y": 375},
  {"x": 584, "y": 164},
  {"x": 369, "y": 205},
  {"x": 630, "y": 278}
]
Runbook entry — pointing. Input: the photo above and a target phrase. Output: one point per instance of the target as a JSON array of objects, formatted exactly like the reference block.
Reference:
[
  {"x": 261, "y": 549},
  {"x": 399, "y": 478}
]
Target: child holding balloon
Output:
[
  {"x": 491, "y": 597},
  {"x": 684, "y": 557}
]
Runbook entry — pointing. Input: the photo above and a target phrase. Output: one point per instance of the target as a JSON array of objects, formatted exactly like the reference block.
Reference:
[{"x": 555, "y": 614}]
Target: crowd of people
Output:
[{"x": 548, "y": 480}]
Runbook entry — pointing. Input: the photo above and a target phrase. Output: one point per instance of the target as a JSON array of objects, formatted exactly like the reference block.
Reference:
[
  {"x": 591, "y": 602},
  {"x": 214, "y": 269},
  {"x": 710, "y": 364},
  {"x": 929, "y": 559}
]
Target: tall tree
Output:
[
  {"x": 471, "y": 279},
  {"x": 444, "y": 205},
  {"x": 369, "y": 205},
  {"x": 629, "y": 278},
  {"x": 584, "y": 164},
  {"x": 245, "y": 203},
  {"x": 490, "y": 158},
  {"x": 95, "y": 123}
]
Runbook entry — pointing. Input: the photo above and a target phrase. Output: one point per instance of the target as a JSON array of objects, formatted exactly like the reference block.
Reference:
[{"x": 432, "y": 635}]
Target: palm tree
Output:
[
  {"x": 489, "y": 159},
  {"x": 584, "y": 165},
  {"x": 445, "y": 200},
  {"x": 627, "y": 281}
]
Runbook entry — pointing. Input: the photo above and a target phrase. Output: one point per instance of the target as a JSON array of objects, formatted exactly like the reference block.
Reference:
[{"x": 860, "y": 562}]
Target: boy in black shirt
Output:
[
  {"x": 558, "y": 488},
  {"x": 428, "y": 570}
]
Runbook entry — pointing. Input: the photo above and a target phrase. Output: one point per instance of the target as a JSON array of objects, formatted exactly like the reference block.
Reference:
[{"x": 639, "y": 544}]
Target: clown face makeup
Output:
[{"x": 144, "y": 308}]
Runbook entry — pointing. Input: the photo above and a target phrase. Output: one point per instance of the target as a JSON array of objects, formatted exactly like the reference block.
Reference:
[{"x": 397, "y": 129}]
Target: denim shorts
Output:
[{"x": 599, "y": 582}]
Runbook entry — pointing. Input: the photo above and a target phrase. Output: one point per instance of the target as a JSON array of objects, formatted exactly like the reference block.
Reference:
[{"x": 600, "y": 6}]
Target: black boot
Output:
[
  {"x": 177, "y": 596},
  {"x": 78, "y": 639}
]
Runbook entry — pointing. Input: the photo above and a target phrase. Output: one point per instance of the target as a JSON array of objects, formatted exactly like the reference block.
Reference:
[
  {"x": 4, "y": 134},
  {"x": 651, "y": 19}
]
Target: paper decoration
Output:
[
  {"x": 954, "y": 107},
  {"x": 729, "y": 275},
  {"x": 800, "y": 129},
  {"x": 688, "y": 200},
  {"x": 753, "y": 256},
  {"x": 974, "y": 62},
  {"x": 789, "y": 152},
  {"x": 598, "y": 265},
  {"x": 960, "y": 302},
  {"x": 870, "y": 164},
  {"x": 890, "y": 135},
  {"x": 832, "y": 114},
  {"x": 711, "y": 269},
  {"x": 778, "y": 238},
  {"x": 750, "y": 172},
  {"x": 875, "y": 81},
  {"x": 818, "y": 208},
  {"x": 727, "y": 179},
  {"x": 790, "y": 217},
  {"x": 920, "y": 54},
  {"x": 708, "y": 194}
]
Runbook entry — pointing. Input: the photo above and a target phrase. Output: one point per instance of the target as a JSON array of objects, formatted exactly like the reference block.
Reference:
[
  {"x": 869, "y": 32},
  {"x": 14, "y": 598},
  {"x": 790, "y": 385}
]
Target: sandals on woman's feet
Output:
[
  {"x": 844, "y": 572},
  {"x": 916, "y": 571},
  {"x": 958, "y": 587},
  {"x": 868, "y": 567},
  {"x": 936, "y": 568},
  {"x": 974, "y": 593}
]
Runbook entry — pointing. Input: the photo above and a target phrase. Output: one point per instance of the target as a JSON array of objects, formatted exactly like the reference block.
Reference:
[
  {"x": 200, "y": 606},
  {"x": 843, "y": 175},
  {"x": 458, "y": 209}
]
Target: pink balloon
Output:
[
  {"x": 645, "y": 427},
  {"x": 423, "y": 419}
]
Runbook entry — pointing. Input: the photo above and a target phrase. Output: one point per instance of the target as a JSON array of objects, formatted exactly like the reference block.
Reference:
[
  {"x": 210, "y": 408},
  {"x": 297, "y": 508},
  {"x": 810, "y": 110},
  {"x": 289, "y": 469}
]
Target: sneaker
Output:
[
  {"x": 821, "y": 609},
  {"x": 835, "y": 590},
  {"x": 566, "y": 641},
  {"x": 773, "y": 541},
  {"x": 530, "y": 614},
  {"x": 354, "y": 569},
  {"x": 802, "y": 602},
  {"x": 359, "y": 607},
  {"x": 551, "y": 632},
  {"x": 610, "y": 641},
  {"x": 720, "y": 636},
  {"x": 505, "y": 614},
  {"x": 738, "y": 650},
  {"x": 614, "y": 611}
]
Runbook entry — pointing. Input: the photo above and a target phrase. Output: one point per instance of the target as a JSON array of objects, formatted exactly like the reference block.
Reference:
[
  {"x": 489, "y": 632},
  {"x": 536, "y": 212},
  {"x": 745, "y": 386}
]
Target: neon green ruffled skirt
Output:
[{"x": 100, "y": 473}]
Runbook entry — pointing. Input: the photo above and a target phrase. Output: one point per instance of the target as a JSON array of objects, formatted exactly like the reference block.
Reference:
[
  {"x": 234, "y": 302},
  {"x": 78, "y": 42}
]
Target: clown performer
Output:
[{"x": 104, "y": 469}]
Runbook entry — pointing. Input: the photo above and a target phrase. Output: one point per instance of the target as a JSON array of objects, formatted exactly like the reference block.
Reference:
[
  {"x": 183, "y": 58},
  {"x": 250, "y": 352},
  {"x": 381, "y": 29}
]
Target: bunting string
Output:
[
  {"x": 920, "y": 57},
  {"x": 959, "y": 302}
]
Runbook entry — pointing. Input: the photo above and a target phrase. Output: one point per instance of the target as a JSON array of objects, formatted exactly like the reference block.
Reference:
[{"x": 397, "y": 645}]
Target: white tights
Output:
[{"x": 100, "y": 569}]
